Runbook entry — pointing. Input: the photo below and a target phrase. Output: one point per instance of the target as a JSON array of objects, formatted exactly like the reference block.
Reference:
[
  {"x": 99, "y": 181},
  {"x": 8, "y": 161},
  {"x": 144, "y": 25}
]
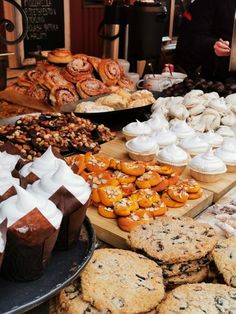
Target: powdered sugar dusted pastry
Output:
[
  {"x": 165, "y": 137},
  {"x": 207, "y": 167},
  {"x": 212, "y": 138},
  {"x": 227, "y": 152},
  {"x": 181, "y": 129},
  {"x": 137, "y": 128},
  {"x": 142, "y": 148},
  {"x": 194, "y": 145}
]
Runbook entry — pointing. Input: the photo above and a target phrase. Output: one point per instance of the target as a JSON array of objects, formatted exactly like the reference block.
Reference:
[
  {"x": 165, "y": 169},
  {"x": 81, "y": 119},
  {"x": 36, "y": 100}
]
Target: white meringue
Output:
[
  {"x": 164, "y": 137},
  {"x": 212, "y": 95},
  {"x": 158, "y": 122},
  {"x": 160, "y": 104},
  {"x": 6, "y": 180},
  {"x": 181, "y": 129},
  {"x": 195, "y": 92},
  {"x": 17, "y": 206},
  {"x": 8, "y": 161},
  {"x": 194, "y": 145},
  {"x": 137, "y": 128},
  {"x": 226, "y": 132},
  {"x": 213, "y": 139},
  {"x": 228, "y": 119},
  {"x": 142, "y": 144},
  {"x": 231, "y": 100},
  {"x": 217, "y": 104},
  {"x": 207, "y": 163},
  {"x": 178, "y": 111},
  {"x": 174, "y": 155},
  {"x": 227, "y": 152}
]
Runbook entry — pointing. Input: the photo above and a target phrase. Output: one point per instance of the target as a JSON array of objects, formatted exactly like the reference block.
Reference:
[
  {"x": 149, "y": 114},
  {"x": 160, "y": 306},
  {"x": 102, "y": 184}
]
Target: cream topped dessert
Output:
[
  {"x": 42, "y": 165},
  {"x": 19, "y": 205},
  {"x": 157, "y": 122},
  {"x": 6, "y": 180},
  {"x": 226, "y": 132},
  {"x": 181, "y": 129},
  {"x": 212, "y": 138},
  {"x": 173, "y": 155},
  {"x": 62, "y": 176},
  {"x": 137, "y": 128},
  {"x": 218, "y": 104},
  {"x": 227, "y": 153},
  {"x": 142, "y": 148},
  {"x": 8, "y": 161},
  {"x": 165, "y": 137},
  {"x": 194, "y": 145}
]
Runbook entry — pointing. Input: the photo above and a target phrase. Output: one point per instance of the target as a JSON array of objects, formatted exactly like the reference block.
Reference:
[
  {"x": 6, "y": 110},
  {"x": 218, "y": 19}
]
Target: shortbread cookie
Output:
[
  {"x": 170, "y": 270},
  {"x": 173, "y": 240},
  {"x": 192, "y": 277},
  {"x": 121, "y": 281},
  {"x": 199, "y": 299},
  {"x": 224, "y": 255},
  {"x": 71, "y": 301}
]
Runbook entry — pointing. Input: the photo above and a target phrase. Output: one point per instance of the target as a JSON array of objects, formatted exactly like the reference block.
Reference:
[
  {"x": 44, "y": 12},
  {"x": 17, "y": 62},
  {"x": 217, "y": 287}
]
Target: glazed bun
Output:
[{"x": 60, "y": 55}]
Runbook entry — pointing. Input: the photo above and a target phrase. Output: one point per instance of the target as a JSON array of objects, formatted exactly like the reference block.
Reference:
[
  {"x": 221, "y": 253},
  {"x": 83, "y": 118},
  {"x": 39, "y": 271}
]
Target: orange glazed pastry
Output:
[
  {"x": 109, "y": 71},
  {"x": 132, "y": 168},
  {"x": 96, "y": 163},
  {"x": 146, "y": 197},
  {"x": 115, "y": 164},
  {"x": 127, "y": 189},
  {"x": 173, "y": 178},
  {"x": 107, "y": 212},
  {"x": 60, "y": 55},
  {"x": 102, "y": 179},
  {"x": 124, "y": 178},
  {"x": 76, "y": 162},
  {"x": 109, "y": 195},
  {"x": 94, "y": 61},
  {"x": 157, "y": 209},
  {"x": 164, "y": 183},
  {"x": 178, "y": 193},
  {"x": 190, "y": 185},
  {"x": 125, "y": 206},
  {"x": 135, "y": 219},
  {"x": 164, "y": 170},
  {"x": 148, "y": 179},
  {"x": 194, "y": 196},
  {"x": 169, "y": 202}
]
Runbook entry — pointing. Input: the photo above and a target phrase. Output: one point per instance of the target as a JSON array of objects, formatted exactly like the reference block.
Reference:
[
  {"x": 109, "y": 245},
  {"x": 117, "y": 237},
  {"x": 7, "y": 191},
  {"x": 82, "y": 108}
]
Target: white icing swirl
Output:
[
  {"x": 165, "y": 137},
  {"x": 137, "y": 128},
  {"x": 158, "y": 122},
  {"x": 142, "y": 144},
  {"x": 6, "y": 180},
  {"x": 42, "y": 165},
  {"x": 194, "y": 145},
  {"x": 8, "y": 161},
  {"x": 217, "y": 104},
  {"x": 213, "y": 139},
  {"x": 181, "y": 129},
  {"x": 19, "y": 205},
  {"x": 208, "y": 163},
  {"x": 63, "y": 176},
  {"x": 173, "y": 154},
  {"x": 225, "y": 131},
  {"x": 227, "y": 152}
]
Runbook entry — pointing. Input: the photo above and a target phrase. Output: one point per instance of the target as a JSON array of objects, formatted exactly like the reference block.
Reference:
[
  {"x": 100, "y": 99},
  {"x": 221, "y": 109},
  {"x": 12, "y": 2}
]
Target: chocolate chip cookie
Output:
[
  {"x": 170, "y": 240},
  {"x": 199, "y": 299},
  {"x": 224, "y": 255},
  {"x": 121, "y": 281}
]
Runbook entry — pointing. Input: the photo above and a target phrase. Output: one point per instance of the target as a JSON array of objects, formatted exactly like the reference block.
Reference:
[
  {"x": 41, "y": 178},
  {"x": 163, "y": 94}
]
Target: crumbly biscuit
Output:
[
  {"x": 191, "y": 277},
  {"x": 199, "y": 299},
  {"x": 121, "y": 281},
  {"x": 224, "y": 255},
  {"x": 170, "y": 270},
  {"x": 173, "y": 240}
]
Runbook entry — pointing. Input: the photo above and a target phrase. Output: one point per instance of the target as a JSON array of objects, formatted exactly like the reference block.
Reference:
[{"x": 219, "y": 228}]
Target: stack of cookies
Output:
[
  {"x": 115, "y": 281},
  {"x": 181, "y": 246}
]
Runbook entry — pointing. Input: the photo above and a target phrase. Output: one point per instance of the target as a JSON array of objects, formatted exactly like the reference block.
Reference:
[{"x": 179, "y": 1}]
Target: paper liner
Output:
[
  {"x": 10, "y": 192},
  {"x": 3, "y": 230},
  {"x": 30, "y": 241},
  {"x": 205, "y": 177},
  {"x": 142, "y": 157},
  {"x": 73, "y": 217},
  {"x": 231, "y": 168}
]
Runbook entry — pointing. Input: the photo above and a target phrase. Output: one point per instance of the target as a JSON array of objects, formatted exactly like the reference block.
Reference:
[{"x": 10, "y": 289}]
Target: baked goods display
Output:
[
  {"x": 200, "y": 298},
  {"x": 33, "y": 134},
  {"x": 133, "y": 192},
  {"x": 47, "y": 214},
  {"x": 170, "y": 241},
  {"x": 109, "y": 284}
]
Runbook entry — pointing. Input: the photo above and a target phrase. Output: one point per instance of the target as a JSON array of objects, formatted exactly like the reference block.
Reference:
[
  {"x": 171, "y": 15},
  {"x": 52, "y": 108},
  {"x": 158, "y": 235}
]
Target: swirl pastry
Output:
[
  {"x": 78, "y": 69},
  {"x": 21, "y": 89},
  {"x": 31, "y": 76},
  {"x": 60, "y": 55},
  {"x": 91, "y": 87},
  {"x": 125, "y": 82},
  {"x": 61, "y": 95},
  {"x": 94, "y": 61},
  {"x": 54, "y": 78},
  {"x": 40, "y": 92},
  {"x": 109, "y": 71}
]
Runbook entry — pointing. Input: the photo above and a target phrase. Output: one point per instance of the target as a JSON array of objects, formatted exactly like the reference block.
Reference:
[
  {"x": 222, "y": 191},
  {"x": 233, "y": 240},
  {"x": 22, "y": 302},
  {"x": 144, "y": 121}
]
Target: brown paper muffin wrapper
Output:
[
  {"x": 10, "y": 192},
  {"x": 3, "y": 230},
  {"x": 30, "y": 241},
  {"x": 73, "y": 217}
]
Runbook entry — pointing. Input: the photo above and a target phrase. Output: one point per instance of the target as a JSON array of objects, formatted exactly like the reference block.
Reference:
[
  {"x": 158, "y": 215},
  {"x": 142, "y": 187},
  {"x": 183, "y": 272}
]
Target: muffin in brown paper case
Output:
[{"x": 3, "y": 239}]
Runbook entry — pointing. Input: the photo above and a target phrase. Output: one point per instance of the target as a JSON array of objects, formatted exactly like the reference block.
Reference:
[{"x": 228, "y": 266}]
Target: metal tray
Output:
[{"x": 64, "y": 267}]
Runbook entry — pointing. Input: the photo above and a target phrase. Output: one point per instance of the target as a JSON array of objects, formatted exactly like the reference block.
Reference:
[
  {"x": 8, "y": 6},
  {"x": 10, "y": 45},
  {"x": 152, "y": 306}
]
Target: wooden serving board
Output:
[
  {"x": 107, "y": 229},
  {"x": 219, "y": 188}
]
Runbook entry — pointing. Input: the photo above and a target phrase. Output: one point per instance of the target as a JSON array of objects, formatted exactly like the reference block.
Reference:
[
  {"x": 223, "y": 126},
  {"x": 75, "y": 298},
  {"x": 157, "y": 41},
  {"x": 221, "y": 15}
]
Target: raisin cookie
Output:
[
  {"x": 224, "y": 255},
  {"x": 121, "y": 281},
  {"x": 199, "y": 299},
  {"x": 173, "y": 240}
]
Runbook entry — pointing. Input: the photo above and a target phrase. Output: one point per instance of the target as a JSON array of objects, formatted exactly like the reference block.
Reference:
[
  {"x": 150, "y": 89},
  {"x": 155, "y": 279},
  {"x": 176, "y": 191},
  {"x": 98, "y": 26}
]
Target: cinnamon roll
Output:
[
  {"x": 54, "y": 78},
  {"x": 109, "y": 71},
  {"x": 31, "y": 76},
  {"x": 91, "y": 87},
  {"x": 60, "y": 55},
  {"x": 61, "y": 95},
  {"x": 94, "y": 61},
  {"x": 21, "y": 89},
  {"x": 125, "y": 82},
  {"x": 40, "y": 92},
  {"x": 78, "y": 69}
]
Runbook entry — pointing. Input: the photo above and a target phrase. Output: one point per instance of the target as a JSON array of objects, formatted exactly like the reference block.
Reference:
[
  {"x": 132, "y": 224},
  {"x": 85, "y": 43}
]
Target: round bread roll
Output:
[{"x": 60, "y": 55}]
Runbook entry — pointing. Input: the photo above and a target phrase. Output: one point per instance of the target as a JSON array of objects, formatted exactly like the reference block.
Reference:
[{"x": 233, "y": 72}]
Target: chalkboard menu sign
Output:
[{"x": 46, "y": 25}]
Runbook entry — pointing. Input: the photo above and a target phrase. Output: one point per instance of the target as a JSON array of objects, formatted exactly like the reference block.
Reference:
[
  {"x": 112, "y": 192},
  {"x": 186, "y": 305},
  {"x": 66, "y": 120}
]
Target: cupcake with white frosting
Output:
[
  {"x": 227, "y": 153},
  {"x": 158, "y": 122},
  {"x": 173, "y": 156},
  {"x": 7, "y": 182},
  {"x": 207, "y": 167},
  {"x": 8, "y": 161},
  {"x": 194, "y": 145},
  {"x": 142, "y": 148},
  {"x": 181, "y": 129},
  {"x": 135, "y": 129},
  {"x": 3, "y": 239},
  {"x": 165, "y": 137},
  {"x": 33, "y": 171},
  {"x": 33, "y": 224},
  {"x": 212, "y": 138},
  {"x": 226, "y": 132},
  {"x": 71, "y": 194}
]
